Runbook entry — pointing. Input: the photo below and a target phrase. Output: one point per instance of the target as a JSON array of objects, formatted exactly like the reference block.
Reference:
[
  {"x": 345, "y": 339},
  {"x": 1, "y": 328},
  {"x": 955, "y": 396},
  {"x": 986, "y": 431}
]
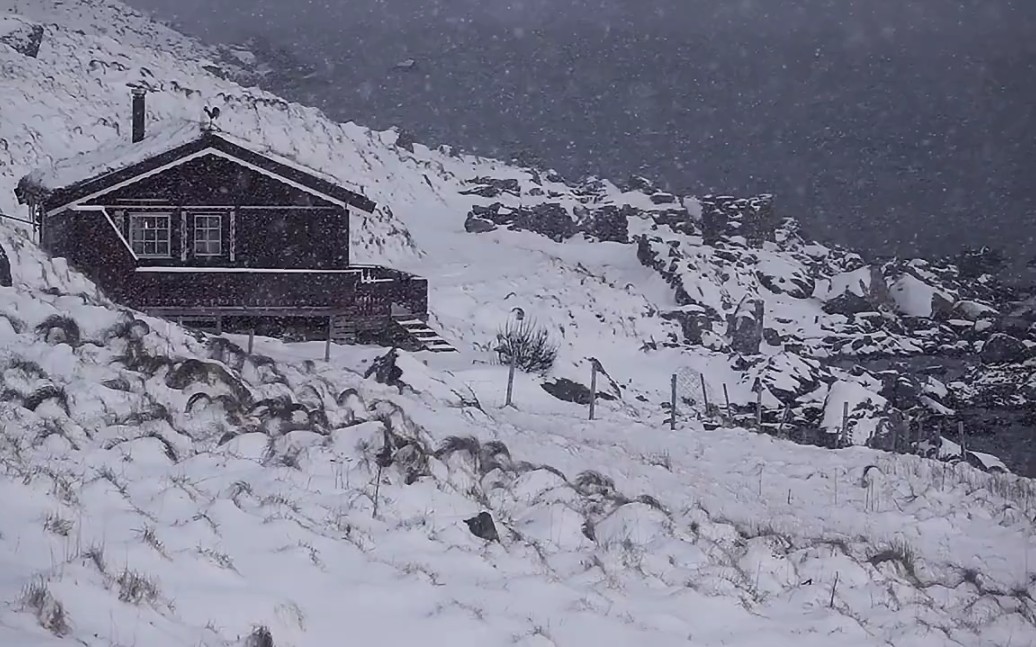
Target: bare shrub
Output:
[
  {"x": 900, "y": 552},
  {"x": 42, "y": 394},
  {"x": 149, "y": 535},
  {"x": 58, "y": 525},
  {"x": 494, "y": 455},
  {"x": 95, "y": 553},
  {"x": 592, "y": 482},
  {"x": 59, "y": 329},
  {"x": 454, "y": 444},
  {"x": 527, "y": 345},
  {"x": 136, "y": 588},
  {"x": 49, "y": 612},
  {"x": 260, "y": 637},
  {"x": 29, "y": 367}
]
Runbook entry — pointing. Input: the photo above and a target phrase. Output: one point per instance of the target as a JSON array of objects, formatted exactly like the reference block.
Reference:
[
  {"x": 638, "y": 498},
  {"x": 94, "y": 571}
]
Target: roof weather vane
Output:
[{"x": 212, "y": 114}]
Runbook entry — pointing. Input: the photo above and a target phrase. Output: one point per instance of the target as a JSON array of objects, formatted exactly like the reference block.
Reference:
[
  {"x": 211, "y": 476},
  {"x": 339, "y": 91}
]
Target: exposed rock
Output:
[
  {"x": 726, "y": 216},
  {"x": 5, "y": 269},
  {"x": 662, "y": 198},
  {"x": 492, "y": 187},
  {"x": 21, "y": 36},
  {"x": 406, "y": 140},
  {"x": 694, "y": 321},
  {"x": 553, "y": 220},
  {"x": 570, "y": 391},
  {"x": 477, "y": 225},
  {"x": 482, "y": 526},
  {"x": 772, "y": 337},
  {"x": 1003, "y": 349},
  {"x": 745, "y": 328},
  {"x": 638, "y": 183},
  {"x": 609, "y": 223},
  {"x": 847, "y": 303}
]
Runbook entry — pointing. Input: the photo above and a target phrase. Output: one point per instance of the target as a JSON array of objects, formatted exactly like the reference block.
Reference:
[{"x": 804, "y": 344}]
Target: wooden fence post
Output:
[
  {"x": 672, "y": 408},
  {"x": 759, "y": 408},
  {"x": 704, "y": 393},
  {"x": 844, "y": 435},
  {"x": 726, "y": 398},
  {"x": 593, "y": 387},
  {"x": 251, "y": 340},
  {"x": 963, "y": 441},
  {"x": 510, "y": 382}
]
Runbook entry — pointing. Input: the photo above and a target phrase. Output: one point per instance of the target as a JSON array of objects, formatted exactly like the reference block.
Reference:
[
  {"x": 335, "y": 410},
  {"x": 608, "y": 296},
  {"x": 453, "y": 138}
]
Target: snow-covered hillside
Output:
[{"x": 162, "y": 488}]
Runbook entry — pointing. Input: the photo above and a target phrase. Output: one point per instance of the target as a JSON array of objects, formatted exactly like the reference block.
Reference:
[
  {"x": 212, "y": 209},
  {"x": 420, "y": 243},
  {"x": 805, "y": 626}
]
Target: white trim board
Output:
[
  {"x": 242, "y": 270},
  {"x": 118, "y": 232},
  {"x": 193, "y": 156}
]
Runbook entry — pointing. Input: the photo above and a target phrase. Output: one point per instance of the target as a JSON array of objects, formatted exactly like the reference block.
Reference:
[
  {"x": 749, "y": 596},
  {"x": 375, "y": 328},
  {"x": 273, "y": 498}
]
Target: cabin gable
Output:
[
  {"x": 212, "y": 180},
  {"x": 210, "y": 211}
]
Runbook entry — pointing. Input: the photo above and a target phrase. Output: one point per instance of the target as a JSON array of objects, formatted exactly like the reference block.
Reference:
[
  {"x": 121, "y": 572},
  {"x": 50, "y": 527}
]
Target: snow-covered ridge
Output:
[{"x": 197, "y": 493}]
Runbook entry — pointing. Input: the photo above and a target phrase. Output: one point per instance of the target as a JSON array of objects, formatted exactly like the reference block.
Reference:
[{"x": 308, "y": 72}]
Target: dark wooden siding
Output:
[
  {"x": 298, "y": 238},
  {"x": 88, "y": 242},
  {"x": 276, "y": 225}
]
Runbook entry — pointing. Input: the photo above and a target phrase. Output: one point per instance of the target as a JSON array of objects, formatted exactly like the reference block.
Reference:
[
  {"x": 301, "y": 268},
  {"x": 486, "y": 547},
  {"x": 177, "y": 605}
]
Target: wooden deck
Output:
[{"x": 362, "y": 294}]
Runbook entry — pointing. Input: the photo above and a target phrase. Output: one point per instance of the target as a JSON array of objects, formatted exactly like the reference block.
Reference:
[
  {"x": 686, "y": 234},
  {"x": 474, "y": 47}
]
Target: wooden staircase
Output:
[{"x": 423, "y": 336}]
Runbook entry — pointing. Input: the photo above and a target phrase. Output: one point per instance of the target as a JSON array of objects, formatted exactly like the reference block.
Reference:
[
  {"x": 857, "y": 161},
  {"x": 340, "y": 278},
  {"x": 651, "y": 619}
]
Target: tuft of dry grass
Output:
[
  {"x": 48, "y": 611},
  {"x": 55, "y": 523},
  {"x": 136, "y": 588}
]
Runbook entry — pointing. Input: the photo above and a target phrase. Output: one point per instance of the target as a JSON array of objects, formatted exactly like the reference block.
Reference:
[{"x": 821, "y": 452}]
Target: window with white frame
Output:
[
  {"x": 149, "y": 235},
  {"x": 208, "y": 234}
]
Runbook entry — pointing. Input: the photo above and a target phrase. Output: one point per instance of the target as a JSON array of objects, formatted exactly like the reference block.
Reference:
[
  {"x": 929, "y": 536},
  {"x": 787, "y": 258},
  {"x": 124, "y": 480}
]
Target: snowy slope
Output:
[{"x": 159, "y": 491}]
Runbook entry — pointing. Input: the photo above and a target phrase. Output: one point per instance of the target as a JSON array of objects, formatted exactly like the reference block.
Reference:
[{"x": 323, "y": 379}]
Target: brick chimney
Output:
[{"x": 138, "y": 114}]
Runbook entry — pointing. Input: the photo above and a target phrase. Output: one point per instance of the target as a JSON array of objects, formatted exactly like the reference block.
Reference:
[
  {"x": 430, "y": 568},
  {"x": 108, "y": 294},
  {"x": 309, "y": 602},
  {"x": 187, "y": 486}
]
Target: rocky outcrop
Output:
[
  {"x": 21, "y": 36},
  {"x": 5, "y": 269},
  {"x": 551, "y": 219},
  {"x": 745, "y": 327},
  {"x": 726, "y": 216},
  {"x": 1003, "y": 349}
]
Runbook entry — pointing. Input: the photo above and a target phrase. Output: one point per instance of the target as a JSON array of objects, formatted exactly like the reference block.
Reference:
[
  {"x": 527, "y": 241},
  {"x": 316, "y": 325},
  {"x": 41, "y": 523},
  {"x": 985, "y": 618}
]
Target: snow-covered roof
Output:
[
  {"x": 112, "y": 156},
  {"x": 93, "y": 167}
]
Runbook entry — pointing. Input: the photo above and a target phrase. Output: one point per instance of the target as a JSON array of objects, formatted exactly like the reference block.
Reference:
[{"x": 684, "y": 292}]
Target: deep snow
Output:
[{"x": 151, "y": 515}]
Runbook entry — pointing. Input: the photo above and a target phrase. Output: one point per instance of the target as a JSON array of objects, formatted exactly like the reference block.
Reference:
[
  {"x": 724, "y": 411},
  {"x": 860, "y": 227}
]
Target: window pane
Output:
[
  {"x": 149, "y": 235},
  {"x": 208, "y": 239}
]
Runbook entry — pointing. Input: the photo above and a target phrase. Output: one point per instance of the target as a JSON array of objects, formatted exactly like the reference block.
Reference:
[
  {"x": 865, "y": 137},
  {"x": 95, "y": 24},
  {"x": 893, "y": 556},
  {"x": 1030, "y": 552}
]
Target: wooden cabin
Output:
[{"x": 194, "y": 225}]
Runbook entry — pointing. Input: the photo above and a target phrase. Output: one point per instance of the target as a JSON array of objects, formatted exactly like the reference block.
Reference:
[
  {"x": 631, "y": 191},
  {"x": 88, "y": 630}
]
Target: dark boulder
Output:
[
  {"x": 693, "y": 320},
  {"x": 663, "y": 198},
  {"x": 570, "y": 391},
  {"x": 608, "y": 223},
  {"x": 482, "y": 526},
  {"x": 489, "y": 187},
  {"x": 25, "y": 38},
  {"x": 1003, "y": 349},
  {"x": 5, "y": 269},
  {"x": 848, "y": 303},
  {"x": 745, "y": 328},
  {"x": 477, "y": 225}
]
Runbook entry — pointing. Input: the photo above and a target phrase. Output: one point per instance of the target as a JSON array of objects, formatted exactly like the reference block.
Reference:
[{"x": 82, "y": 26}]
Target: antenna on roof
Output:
[{"x": 212, "y": 114}]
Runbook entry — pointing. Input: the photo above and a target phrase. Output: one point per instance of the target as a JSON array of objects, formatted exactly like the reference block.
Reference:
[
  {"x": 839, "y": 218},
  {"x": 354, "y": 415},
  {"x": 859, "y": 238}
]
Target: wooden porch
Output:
[{"x": 359, "y": 303}]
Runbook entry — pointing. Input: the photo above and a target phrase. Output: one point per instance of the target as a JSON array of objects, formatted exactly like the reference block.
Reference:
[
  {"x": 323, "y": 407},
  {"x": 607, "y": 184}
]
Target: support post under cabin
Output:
[{"x": 327, "y": 345}]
